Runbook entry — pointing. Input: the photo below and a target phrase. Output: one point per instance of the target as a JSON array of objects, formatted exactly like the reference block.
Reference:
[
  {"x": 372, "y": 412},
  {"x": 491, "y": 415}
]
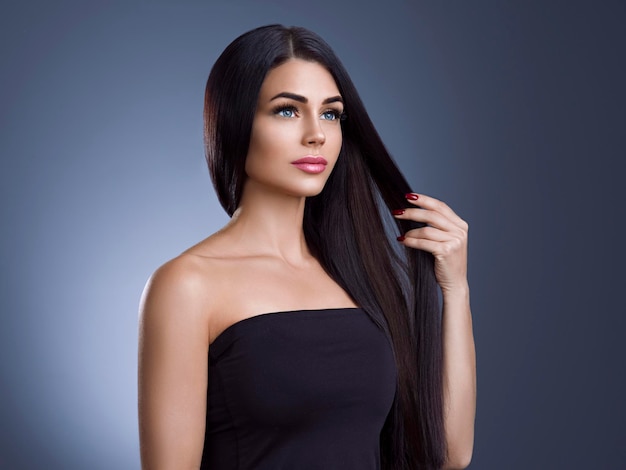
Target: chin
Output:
[
  {"x": 297, "y": 187},
  {"x": 313, "y": 189},
  {"x": 308, "y": 192}
]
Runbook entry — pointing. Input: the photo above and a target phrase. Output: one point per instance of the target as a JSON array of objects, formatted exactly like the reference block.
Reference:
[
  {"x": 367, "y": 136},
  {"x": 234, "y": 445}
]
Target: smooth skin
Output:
[{"x": 259, "y": 263}]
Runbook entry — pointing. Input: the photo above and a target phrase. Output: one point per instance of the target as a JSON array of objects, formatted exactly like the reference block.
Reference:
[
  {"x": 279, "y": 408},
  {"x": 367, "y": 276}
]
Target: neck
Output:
[{"x": 269, "y": 223}]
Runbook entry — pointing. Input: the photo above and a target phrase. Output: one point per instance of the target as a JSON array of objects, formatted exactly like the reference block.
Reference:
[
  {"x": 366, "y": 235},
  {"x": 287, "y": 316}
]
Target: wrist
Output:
[{"x": 456, "y": 292}]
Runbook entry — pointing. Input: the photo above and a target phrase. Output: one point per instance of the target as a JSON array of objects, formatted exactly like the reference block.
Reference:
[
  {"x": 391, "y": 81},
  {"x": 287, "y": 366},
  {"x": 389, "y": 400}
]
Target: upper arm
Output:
[{"x": 173, "y": 367}]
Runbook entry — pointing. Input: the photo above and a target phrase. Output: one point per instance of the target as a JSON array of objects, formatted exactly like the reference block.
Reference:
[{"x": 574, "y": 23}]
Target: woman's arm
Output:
[
  {"x": 459, "y": 377},
  {"x": 173, "y": 369},
  {"x": 445, "y": 236}
]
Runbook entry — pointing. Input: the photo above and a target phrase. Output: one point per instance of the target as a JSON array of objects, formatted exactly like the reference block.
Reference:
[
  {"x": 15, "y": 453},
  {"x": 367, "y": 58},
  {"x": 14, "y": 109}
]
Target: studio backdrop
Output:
[{"x": 511, "y": 112}]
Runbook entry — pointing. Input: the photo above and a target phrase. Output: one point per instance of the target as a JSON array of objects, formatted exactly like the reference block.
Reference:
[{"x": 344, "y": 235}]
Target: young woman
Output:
[{"x": 307, "y": 333}]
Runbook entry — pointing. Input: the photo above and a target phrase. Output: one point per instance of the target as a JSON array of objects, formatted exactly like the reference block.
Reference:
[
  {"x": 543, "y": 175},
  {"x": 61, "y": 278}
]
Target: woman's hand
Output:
[{"x": 445, "y": 236}]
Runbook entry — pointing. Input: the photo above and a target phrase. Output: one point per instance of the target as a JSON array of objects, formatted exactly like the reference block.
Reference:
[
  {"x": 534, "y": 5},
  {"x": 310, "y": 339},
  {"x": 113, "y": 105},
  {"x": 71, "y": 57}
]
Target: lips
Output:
[
  {"x": 311, "y": 159},
  {"x": 311, "y": 164}
]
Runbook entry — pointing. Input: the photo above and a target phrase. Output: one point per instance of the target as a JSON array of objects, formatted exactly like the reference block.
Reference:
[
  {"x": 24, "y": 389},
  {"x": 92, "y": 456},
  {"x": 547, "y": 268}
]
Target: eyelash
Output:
[{"x": 338, "y": 115}]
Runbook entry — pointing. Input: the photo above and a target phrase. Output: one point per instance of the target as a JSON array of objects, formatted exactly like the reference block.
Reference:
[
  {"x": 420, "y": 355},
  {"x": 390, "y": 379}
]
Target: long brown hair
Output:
[{"x": 347, "y": 227}]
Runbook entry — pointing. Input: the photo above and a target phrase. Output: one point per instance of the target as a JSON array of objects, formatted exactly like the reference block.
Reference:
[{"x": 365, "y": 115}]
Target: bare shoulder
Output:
[
  {"x": 176, "y": 286},
  {"x": 187, "y": 288}
]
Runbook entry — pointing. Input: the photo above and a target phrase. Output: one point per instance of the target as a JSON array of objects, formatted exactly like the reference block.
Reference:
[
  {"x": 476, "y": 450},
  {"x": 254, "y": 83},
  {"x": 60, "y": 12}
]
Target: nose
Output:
[{"x": 314, "y": 134}]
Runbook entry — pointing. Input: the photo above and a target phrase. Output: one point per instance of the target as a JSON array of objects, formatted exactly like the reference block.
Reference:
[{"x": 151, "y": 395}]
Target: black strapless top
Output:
[{"x": 298, "y": 390}]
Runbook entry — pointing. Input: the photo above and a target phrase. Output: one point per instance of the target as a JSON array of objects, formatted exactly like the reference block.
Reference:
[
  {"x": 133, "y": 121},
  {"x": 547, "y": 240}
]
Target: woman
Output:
[{"x": 303, "y": 334}]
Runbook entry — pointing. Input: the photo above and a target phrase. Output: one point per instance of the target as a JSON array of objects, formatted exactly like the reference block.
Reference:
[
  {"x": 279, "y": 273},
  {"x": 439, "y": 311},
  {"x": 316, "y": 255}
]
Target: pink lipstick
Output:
[{"x": 311, "y": 164}]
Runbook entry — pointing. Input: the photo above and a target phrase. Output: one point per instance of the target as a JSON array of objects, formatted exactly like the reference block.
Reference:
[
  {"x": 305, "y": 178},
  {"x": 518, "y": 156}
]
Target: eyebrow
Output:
[{"x": 302, "y": 99}]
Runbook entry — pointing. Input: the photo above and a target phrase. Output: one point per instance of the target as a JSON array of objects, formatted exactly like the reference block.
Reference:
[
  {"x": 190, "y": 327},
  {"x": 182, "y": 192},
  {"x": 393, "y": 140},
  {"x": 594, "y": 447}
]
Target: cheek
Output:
[
  {"x": 257, "y": 147},
  {"x": 266, "y": 141},
  {"x": 334, "y": 140},
  {"x": 265, "y": 146}
]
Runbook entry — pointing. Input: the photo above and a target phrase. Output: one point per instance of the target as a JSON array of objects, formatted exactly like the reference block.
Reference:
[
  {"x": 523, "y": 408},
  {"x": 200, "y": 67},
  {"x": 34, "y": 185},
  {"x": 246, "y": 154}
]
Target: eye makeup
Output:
[{"x": 290, "y": 111}]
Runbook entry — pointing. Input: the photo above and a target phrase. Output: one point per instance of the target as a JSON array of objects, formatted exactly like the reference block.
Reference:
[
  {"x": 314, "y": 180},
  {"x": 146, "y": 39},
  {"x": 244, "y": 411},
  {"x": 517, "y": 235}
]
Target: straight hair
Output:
[{"x": 347, "y": 228}]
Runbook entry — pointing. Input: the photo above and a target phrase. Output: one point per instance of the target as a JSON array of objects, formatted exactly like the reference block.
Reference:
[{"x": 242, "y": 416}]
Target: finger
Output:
[
  {"x": 429, "y": 233},
  {"x": 420, "y": 244},
  {"x": 428, "y": 202},
  {"x": 430, "y": 217}
]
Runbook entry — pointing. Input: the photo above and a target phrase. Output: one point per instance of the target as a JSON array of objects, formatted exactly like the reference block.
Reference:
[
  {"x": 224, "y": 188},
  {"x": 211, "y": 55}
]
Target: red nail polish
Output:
[
  {"x": 400, "y": 238},
  {"x": 397, "y": 211},
  {"x": 411, "y": 196}
]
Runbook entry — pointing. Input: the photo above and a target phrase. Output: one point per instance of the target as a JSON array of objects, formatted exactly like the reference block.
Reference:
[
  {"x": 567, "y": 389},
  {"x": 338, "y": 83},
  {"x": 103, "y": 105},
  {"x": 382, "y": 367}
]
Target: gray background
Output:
[{"x": 512, "y": 112}]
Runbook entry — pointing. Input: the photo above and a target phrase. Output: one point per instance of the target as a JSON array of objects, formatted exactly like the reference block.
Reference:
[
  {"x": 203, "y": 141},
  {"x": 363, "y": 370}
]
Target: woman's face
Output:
[{"x": 296, "y": 135}]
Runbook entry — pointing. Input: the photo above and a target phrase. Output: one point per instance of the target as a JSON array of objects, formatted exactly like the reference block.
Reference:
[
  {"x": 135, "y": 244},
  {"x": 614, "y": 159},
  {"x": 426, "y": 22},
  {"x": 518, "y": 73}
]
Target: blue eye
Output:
[
  {"x": 285, "y": 111},
  {"x": 331, "y": 115}
]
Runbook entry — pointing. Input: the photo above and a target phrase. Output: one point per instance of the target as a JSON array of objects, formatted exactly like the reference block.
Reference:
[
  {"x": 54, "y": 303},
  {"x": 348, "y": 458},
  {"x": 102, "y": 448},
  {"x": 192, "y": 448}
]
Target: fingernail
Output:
[
  {"x": 397, "y": 211},
  {"x": 400, "y": 238},
  {"x": 412, "y": 196}
]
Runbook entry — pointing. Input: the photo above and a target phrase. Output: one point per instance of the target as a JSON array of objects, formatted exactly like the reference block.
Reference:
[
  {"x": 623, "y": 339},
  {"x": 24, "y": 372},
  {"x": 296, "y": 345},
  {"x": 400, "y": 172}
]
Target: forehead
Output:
[{"x": 301, "y": 77}]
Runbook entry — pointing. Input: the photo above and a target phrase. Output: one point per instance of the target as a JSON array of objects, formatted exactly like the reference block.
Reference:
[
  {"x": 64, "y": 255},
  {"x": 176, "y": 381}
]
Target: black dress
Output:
[{"x": 307, "y": 389}]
